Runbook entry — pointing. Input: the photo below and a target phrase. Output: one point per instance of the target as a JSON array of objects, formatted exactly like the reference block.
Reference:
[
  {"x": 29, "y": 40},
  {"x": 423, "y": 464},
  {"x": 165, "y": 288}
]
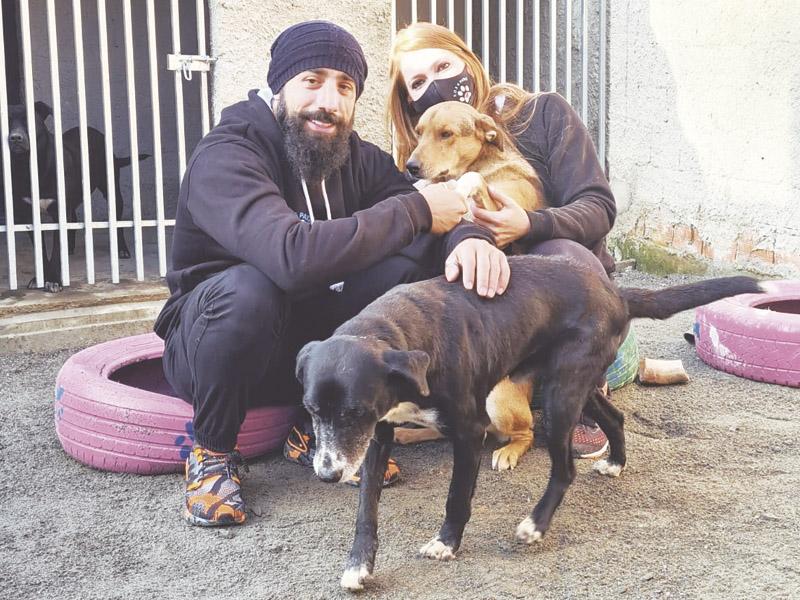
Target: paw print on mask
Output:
[{"x": 463, "y": 93}]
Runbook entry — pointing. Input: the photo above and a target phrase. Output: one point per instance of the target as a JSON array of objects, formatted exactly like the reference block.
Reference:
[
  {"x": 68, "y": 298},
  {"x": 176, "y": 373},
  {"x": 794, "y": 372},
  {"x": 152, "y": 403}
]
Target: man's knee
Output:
[{"x": 242, "y": 295}]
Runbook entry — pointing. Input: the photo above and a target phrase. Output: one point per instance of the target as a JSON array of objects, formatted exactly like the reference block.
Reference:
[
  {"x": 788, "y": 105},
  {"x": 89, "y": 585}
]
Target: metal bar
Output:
[
  {"x": 414, "y": 15},
  {"x": 553, "y": 44},
  {"x": 520, "y": 42},
  {"x": 201, "y": 50},
  {"x": 601, "y": 126},
  {"x": 111, "y": 194},
  {"x": 537, "y": 43},
  {"x": 451, "y": 15},
  {"x": 502, "y": 36},
  {"x": 485, "y": 35},
  {"x": 584, "y": 62},
  {"x": 79, "y": 225},
  {"x": 55, "y": 84},
  {"x": 156, "y": 109},
  {"x": 133, "y": 127},
  {"x": 25, "y": 25},
  {"x": 468, "y": 22},
  {"x": 176, "y": 49},
  {"x": 568, "y": 53},
  {"x": 86, "y": 188},
  {"x": 433, "y": 7},
  {"x": 11, "y": 246}
]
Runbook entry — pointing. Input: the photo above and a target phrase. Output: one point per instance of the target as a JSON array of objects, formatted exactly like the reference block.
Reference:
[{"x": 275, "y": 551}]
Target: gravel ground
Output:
[{"x": 707, "y": 508}]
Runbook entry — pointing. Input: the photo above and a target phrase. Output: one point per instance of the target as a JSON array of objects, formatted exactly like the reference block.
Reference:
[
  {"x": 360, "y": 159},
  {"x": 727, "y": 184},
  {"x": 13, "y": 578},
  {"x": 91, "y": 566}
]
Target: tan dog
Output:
[
  {"x": 455, "y": 141},
  {"x": 458, "y": 142}
]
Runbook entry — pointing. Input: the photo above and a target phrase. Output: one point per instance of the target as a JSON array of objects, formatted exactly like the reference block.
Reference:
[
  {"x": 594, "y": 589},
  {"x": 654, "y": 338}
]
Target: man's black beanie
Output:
[{"x": 315, "y": 45}]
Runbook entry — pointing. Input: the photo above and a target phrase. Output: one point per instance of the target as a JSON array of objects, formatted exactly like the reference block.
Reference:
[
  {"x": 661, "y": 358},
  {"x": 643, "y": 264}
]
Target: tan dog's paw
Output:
[
  {"x": 506, "y": 457},
  {"x": 472, "y": 186},
  {"x": 437, "y": 550},
  {"x": 406, "y": 435}
]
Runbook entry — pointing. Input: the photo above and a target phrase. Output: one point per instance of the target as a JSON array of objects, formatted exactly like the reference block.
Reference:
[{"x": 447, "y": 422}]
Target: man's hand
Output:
[
  {"x": 447, "y": 206},
  {"x": 481, "y": 265},
  {"x": 508, "y": 224}
]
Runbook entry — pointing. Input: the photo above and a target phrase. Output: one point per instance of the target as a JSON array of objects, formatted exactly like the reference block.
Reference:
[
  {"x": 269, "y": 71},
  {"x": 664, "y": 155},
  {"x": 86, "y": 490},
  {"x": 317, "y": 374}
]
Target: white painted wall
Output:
[{"x": 704, "y": 127}]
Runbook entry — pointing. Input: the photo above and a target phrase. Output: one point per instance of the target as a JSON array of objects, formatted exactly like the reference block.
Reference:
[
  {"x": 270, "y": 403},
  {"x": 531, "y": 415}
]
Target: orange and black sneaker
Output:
[
  {"x": 301, "y": 445},
  {"x": 213, "y": 488}
]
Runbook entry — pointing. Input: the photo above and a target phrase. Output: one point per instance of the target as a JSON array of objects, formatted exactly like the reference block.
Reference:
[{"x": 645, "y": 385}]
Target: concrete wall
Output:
[
  {"x": 242, "y": 32},
  {"x": 704, "y": 127}
]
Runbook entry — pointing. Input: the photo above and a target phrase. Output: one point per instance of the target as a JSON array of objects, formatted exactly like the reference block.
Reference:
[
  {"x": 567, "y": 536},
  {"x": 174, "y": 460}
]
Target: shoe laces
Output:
[{"x": 230, "y": 462}]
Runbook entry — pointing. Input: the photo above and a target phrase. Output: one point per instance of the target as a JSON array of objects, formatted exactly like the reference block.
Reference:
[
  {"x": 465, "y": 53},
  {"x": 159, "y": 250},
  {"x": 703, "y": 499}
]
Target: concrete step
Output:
[
  {"x": 24, "y": 301},
  {"x": 76, "y": 327}
]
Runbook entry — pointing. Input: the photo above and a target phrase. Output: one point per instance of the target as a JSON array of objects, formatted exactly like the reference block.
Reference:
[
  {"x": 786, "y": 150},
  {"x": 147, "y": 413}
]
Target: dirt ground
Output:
[{"x": 707, "y": 508}]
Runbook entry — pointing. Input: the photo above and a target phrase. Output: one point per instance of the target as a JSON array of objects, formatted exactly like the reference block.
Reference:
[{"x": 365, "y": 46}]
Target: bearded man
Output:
[{"x": 287, "y": 225}]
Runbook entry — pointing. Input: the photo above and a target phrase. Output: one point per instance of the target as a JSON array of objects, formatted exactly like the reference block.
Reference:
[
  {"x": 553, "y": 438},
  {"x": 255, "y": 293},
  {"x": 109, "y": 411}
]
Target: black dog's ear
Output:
[
  {"x": 302, "y": 357},
  {"x": 490, "y": 132},
  {"x": 42, "y": 109},
  {"x": 412, "y": 366}
]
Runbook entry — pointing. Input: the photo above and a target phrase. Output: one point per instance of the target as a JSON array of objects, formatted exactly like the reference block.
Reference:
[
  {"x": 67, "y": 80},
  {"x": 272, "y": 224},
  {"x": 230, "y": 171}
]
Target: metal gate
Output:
[
  {"x": 117, "y": 77},
  {"x": 541, "y": 45}
]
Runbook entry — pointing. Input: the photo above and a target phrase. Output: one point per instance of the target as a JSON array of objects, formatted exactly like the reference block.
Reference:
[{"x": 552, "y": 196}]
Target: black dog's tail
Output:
[
  {"x": 660, "y": 304},
  {"x": 124, "y": 161}
]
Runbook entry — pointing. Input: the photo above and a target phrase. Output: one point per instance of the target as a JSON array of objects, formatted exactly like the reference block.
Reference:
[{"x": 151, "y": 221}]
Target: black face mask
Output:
[{"x": 459, "y": 87}]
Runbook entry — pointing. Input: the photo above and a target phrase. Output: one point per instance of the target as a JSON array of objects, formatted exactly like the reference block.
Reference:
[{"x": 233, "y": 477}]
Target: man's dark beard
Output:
[{"x": 314, "y": 156}]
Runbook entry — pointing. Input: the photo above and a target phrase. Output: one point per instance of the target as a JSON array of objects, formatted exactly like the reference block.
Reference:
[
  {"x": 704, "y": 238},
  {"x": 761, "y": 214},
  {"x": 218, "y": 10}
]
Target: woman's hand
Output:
[
  {"x": 508, "y": 224},
  {"x": 480, "y": 265}
]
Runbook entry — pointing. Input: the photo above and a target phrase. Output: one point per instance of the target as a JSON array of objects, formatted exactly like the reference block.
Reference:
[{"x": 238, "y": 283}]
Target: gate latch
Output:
[{"x": 186, "y": 63}]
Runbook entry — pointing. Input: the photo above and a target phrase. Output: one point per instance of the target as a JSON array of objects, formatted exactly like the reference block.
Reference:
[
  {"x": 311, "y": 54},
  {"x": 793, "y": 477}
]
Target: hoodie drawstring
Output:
[
  {"x": 308, "y": 200},
  {"x": 336, "y": 287}
]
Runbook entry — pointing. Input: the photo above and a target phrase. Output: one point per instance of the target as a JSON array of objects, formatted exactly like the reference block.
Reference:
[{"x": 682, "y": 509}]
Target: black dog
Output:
[
  {"x": 431, "y": 352},
  {"x": 19, "y": 145}
]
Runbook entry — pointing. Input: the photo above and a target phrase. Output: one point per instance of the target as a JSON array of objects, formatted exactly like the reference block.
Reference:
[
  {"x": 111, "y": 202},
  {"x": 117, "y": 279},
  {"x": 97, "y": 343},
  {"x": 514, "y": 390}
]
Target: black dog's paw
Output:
[
  {"x": 608, "y": 467},
  {"x": 528, "y": 532},
  {"x": 53, "y": 287},
  {"x": 437, "y": 550},
  {"x": 354, "y": 578}
]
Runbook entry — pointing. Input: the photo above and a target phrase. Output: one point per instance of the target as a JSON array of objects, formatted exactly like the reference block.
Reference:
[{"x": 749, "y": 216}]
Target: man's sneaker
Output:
[
  {"x": 588, "y": 440},
  {"x": 301, "y": 445},
  {"x": 213, "y": 488}
]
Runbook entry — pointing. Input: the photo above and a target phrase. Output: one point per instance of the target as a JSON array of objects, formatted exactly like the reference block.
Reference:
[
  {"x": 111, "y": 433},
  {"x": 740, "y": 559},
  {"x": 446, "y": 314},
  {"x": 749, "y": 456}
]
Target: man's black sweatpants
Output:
[{"x": 234, "y": 343}]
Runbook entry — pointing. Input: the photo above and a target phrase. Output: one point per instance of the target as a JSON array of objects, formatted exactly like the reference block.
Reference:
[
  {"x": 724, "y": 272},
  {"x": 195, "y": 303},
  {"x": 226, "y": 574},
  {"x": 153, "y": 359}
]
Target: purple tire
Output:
[
  {"x": 115, "y": 411},
  {"x": 756, "y": 336}
]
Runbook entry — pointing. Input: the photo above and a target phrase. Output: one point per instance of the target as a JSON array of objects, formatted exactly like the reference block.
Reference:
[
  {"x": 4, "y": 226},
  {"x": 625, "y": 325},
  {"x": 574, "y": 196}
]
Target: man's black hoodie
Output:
[{"x": 240, "y": 201}]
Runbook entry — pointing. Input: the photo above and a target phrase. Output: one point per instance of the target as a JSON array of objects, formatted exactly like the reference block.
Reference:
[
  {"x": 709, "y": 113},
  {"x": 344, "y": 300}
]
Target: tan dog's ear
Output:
[
  {"x": 490, "y": 133},
  {"x": 412, "y": 366}
]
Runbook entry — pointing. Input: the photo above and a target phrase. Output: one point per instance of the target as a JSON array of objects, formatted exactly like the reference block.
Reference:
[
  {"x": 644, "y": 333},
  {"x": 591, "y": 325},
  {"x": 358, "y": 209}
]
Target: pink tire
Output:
[
  {"x": 756, "y": 336},
  {"x": 115, "y": 411}
]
